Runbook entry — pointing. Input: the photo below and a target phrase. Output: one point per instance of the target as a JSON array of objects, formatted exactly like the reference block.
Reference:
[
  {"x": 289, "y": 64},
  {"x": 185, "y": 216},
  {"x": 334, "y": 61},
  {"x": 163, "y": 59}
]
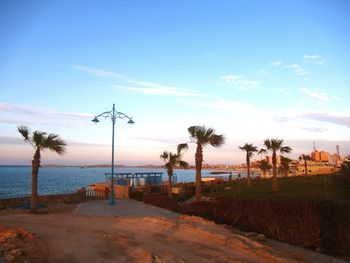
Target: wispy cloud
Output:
[
  {"x": 318, "y": 95},
  {"x": 99, "y": 72},
  {"x": 138, "y": 86},
  {"x": 239, "y": 82},
  {"x": 341, "y": 119},
  {"x": 223, "y": 104},
  {"x": 314, "y": 129},
  {"x": 298, "y": 70},
  {"x": 160, "y": 90},
  {"x": 314, "y": 59},
  {"x": 12, "y": 113},
  {"x": 275, "y": 63}
]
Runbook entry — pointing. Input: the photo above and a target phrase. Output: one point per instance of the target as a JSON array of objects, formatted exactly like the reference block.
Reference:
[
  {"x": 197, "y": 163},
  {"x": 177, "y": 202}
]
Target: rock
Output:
[
  {"x": 261, "y": 238},
  {"x": 250, "y": 234}
]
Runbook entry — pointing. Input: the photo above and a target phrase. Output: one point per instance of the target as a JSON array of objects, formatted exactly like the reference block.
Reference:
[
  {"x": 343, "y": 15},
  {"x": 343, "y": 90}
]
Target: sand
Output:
[{"x": 145, "y": 234}]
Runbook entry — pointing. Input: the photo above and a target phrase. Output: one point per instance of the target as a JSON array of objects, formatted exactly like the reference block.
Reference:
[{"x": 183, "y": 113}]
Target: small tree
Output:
[
  {"x": 40, "y": 141},
  {"x": 201, "y": 136},
  {"x": 264, "y": 166},
  {"x": 345, "y": 167},
  {"x": 250, "y": 149},
  {"x": 172, "y": 160},
  {"x": 274, "y": 146},
  {"x": 285, "y": 165},
  {"x": 305, "y": 158}
]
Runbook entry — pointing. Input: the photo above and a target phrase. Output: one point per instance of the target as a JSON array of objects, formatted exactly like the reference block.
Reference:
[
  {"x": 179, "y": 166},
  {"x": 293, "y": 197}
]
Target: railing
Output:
[
  {"x": 11, "y": 195},
  {"x": 96, "y": 194}
]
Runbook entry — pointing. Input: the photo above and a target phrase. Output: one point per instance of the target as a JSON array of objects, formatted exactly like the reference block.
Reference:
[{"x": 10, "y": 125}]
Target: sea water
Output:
[{"x": 15, "y": 181}]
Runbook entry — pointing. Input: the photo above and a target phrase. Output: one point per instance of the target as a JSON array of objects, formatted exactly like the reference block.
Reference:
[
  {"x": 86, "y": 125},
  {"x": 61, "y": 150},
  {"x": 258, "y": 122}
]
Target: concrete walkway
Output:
[{"x": 122, "y": 207}]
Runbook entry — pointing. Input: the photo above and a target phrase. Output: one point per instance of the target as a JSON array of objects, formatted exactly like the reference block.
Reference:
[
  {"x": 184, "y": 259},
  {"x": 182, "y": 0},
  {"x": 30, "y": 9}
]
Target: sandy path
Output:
[{"x": 75, "y": 237}]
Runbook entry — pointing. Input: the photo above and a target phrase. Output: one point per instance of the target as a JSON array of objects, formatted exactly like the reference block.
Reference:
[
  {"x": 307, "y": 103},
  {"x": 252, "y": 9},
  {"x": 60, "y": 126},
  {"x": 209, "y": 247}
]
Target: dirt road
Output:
[{"x": 80, "y": 237}]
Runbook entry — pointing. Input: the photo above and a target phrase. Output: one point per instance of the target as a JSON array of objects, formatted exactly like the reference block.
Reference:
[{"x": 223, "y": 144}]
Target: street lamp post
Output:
[{"x": 113, "y": 115}]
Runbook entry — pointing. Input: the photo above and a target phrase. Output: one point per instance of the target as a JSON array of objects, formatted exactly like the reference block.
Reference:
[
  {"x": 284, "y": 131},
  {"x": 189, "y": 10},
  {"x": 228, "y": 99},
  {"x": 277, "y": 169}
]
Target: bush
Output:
[
  {"x": 162, "y": 200},
  {"x": 156, "y": 188},
  {"x": 345, "y": 169},
  {"x": 322, "y": 225},
  {"x": 137, "y": 195}
]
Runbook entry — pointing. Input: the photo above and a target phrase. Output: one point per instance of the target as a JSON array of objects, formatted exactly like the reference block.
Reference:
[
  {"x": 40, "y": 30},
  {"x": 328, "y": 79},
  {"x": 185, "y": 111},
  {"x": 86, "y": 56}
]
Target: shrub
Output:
[
  {"x": 156, "y": 188},
  {"x": 345, "y": 168},
  {"x": 162, "y": 200},
  {"x": 137, "y": 195},
  {"x": 323, "y": 225},
  {"x": 200, "y": 208}
]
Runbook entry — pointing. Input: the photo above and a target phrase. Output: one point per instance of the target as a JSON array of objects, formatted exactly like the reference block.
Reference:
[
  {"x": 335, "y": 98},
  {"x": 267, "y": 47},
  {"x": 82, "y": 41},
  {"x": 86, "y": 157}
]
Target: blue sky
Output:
[{"x": 250, "y": 69}]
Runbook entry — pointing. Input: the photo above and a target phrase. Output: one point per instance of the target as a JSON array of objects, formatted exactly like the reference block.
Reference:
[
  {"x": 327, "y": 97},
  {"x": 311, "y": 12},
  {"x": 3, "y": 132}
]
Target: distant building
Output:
[
  {"x": 269, "y": 159},
  {"x": 320, "y": 156}
]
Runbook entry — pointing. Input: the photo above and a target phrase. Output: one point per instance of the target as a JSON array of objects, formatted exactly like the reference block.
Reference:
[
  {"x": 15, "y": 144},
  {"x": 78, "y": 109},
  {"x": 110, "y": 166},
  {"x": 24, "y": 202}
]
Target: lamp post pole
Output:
[
  {"x": 113, "y": 115},
  {"x": 111, "y": 194}
]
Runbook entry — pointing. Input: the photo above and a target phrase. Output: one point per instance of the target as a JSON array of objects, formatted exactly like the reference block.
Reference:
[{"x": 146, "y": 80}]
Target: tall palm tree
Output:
[
  {"x": 40, "y": 141},
  {"x": 285, "y": 165},
  {"x": 250, "y": 149},
  {"x": 264, "y": 166},
  {"x": 305, "y": 158},
  {"x": 274, "y": 146},
  {"x": 201, "y": 136},
  {"x": 172, "y": 160}
]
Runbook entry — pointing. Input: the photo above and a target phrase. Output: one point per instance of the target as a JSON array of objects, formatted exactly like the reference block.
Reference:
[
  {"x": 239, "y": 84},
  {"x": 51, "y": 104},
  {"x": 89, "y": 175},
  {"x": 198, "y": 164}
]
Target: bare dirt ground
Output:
[{"x": 66, "y": 235}]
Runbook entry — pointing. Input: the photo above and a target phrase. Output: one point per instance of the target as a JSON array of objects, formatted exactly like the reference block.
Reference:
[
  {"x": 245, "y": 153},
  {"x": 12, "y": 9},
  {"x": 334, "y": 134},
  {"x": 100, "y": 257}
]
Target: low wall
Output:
[{"x": 62, "y": 198}]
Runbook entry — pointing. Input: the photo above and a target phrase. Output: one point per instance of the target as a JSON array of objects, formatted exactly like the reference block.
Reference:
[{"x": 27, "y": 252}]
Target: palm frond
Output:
[
  {"x": 276, "y": 144},
  {"x": 264, "y": 165},
  {"x": 54, "y": 143},
  {"x": 173, "y": 158},
  {"x": 192, "y": 131},
  {"x": 286, "y": 149},
  {"x": 183, "y": 164},
  {"x": 182, "y": 147},
  {"x": 164, "y": 156},
  {"x": 209, "y": 132},
  {"x": 39, "y": 138},
  {"x": 267, "y": 143},
  {"x": 217, "y": 140},
  {"x": 248, "y": 147},
  {"x": 305, "y": 157},
  {"x": 262, "y": 151},
  {"x": 24, "y": 131}
]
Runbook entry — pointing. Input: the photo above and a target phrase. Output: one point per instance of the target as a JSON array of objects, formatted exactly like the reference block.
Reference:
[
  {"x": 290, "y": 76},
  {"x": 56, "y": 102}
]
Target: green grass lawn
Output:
[{"x": 290, "y": 188}]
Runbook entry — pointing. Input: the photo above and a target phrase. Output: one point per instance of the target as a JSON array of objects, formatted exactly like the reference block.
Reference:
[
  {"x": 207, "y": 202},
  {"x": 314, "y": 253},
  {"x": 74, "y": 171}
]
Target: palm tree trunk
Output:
[
  {"x": 35, "y": 171},
  {"x": 305, "y": 164},
  {"x": 249, "y": 182},
  {"x": 199, "y": 160},
  {"x": 170, "y": 174},
  {"x": 274, "y": 172}
]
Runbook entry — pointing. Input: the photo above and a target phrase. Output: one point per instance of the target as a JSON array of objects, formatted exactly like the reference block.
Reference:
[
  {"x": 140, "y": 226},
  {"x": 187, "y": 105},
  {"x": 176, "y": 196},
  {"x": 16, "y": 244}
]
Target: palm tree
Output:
[
  {"x": 40, "y": 141},
  {"x": 306, "y": 158},
  {"x": 201, "y": 136},
  {"x": 274, "y": 146},
  {"x": 171, "y": 161},
  {"x": 250, "y": 149},
  {"x": 264, "y": 166},
  {"x": 285, "y": 165}
]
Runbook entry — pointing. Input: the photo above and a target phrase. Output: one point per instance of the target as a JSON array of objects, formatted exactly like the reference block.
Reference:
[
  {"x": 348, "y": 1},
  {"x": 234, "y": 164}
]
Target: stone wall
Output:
[{"x": 77, "y": 197}]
